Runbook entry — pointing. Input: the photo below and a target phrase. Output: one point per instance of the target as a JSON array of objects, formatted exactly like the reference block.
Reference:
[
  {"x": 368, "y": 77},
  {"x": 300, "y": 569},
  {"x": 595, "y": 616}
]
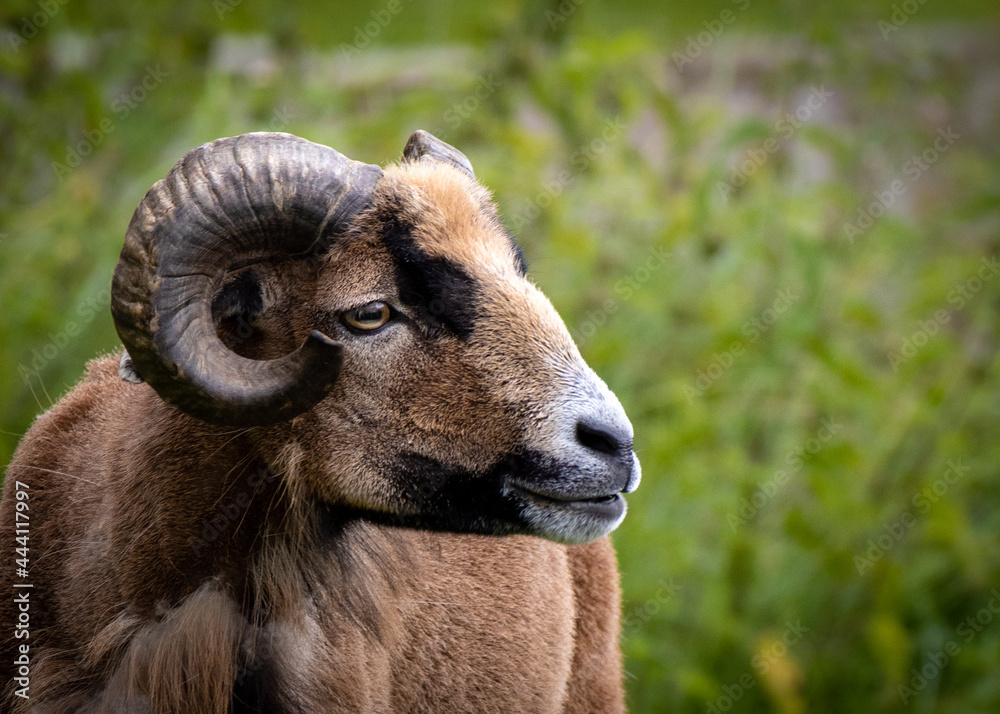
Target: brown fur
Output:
[{"x": 173, "y": 561}]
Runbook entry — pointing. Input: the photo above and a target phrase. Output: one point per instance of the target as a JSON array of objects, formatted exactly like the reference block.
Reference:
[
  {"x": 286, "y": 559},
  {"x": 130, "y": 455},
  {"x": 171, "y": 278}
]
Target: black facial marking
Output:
[
  {"x": 442, "y": 290},
  {"x": 443, "y": 293},
  {"x": 452, "y": 500}
]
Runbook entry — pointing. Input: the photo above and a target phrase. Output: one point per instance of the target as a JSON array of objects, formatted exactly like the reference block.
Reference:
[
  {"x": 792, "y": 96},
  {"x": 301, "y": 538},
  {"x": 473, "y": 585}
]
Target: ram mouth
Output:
[{"x": 608, "y": 505}]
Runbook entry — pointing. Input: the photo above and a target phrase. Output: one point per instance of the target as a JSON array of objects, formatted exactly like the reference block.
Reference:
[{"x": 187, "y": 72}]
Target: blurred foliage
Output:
[{"x": 819, "y": 516}]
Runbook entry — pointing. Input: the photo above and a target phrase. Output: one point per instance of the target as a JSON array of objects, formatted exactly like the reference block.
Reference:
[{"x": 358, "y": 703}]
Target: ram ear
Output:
[
  {"x": 424, "y": 146},
  {"x": 127, "y": 370}
]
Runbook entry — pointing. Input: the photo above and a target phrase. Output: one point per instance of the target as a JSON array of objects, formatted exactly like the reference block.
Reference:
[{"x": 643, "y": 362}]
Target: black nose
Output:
[{"x": 603, "y": 439}]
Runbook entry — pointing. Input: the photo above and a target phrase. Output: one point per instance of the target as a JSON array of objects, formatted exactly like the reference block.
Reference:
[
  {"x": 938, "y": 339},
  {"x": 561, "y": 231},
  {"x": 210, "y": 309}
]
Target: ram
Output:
[{"x": 350, "y": 461}]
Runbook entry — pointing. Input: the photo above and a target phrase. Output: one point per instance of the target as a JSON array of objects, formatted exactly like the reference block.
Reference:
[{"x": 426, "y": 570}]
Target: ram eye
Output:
[{"x": 368, "y": 317}]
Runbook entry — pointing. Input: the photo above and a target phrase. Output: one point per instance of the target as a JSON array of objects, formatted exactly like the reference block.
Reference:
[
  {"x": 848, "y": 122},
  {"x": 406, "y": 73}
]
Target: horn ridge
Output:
[{"x": 233, "y": 201}]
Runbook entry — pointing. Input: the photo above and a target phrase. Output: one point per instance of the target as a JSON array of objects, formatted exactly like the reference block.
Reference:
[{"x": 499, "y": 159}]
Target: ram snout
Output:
[{"x": 571, "y": 480}]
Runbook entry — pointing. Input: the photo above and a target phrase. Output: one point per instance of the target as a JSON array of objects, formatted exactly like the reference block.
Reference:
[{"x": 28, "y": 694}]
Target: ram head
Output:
[{"x": 376, "y": 333}]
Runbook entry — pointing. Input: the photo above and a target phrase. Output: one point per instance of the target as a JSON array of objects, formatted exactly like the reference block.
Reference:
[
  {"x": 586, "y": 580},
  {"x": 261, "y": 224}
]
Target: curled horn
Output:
[
  {"x": 227, "y": 204},
  {"x": 423, "y": 146}
]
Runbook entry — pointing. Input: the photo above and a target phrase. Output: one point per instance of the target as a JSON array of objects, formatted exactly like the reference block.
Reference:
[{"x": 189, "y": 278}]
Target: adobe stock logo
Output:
[
  {"x": 959, "y": 296},
  {"x": 784, "y": 129},
  {"x": 698, "y": 44},
  {"x": 796, "y": 459},
  {"x": 914, "y": 167},
  {"x": 935, "y": 662},
  {"x": 752, "y": 330},
  {"x": 901, "y": 14},
  {"x": 894, "y": 532},
  {"x": 365, "y": 35},
  {"x": 33, "y": 24},
  {"x": 773, "y": 650},
  {"x": 624, "y": 288},
  {"x": 460, "y": 111}
]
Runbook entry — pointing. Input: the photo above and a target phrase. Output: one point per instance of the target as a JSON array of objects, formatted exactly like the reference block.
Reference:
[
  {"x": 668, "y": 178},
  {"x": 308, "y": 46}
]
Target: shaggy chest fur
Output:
[{"x": 443, "y": 639}]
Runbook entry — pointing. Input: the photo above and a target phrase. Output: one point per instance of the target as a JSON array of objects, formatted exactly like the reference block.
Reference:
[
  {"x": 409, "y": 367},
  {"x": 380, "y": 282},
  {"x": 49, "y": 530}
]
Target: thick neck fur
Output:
[{"x": 209, "y": 572}]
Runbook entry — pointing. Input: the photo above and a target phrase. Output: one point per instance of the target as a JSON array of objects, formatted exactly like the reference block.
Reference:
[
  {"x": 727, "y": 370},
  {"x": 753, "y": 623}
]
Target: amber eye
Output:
[{"x": 368, "y": 317}]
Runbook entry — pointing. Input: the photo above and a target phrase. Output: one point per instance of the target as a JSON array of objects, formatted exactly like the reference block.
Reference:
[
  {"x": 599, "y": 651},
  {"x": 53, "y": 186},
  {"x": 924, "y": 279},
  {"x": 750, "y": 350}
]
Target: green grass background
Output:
[{"x": 800, "y": 541}]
